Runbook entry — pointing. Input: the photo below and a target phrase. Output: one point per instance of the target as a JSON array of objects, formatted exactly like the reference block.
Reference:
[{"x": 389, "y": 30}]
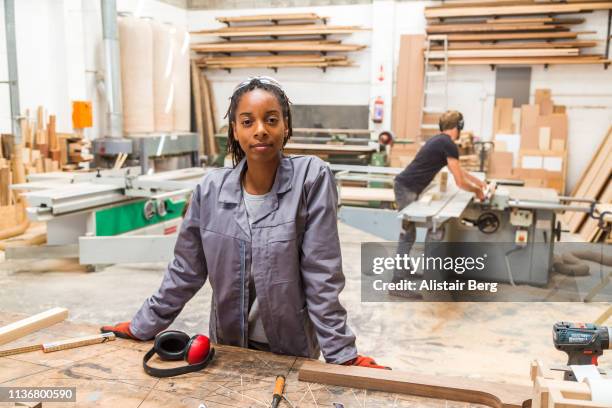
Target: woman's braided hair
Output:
[{"x": 233, "y": 146}]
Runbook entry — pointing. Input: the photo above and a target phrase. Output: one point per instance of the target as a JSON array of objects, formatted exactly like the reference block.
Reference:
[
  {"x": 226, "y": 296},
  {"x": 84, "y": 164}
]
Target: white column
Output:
[{"x": 382, "y": 49}]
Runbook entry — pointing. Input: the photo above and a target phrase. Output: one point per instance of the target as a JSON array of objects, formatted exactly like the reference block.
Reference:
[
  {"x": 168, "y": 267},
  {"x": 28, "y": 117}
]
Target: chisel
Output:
[
  {"x": 279, "y": 387},
  {"x": 61, "y": 344}
]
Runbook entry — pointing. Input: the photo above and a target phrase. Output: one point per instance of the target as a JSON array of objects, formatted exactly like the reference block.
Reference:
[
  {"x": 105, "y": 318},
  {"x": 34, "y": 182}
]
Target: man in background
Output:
[{"x": 438, "y": 152}]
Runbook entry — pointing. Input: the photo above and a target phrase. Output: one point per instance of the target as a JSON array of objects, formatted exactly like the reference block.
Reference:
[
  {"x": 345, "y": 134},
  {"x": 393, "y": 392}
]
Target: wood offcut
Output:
[{"x": 454, "y": 389}]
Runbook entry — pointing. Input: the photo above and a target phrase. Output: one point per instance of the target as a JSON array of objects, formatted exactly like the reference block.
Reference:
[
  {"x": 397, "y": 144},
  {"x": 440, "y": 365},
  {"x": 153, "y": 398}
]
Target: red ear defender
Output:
[
  {"x": 197, "y": 349},
  {"x": 175, "y": 345}
]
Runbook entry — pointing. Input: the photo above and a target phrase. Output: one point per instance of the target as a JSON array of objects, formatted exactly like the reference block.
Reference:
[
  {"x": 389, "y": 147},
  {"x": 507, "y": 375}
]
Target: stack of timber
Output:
[
  {"x": 595, "y": 184},
  {"x": 523, "y": 32},
  {"x": 204, "y": 111},
  {"x": 530, "y": 142},
  {"x": 41, "y": 150},
  {"x": 45, "y": 150},
  {"x": 293, "y": 40},
  {"x": 13, "y": 219}
]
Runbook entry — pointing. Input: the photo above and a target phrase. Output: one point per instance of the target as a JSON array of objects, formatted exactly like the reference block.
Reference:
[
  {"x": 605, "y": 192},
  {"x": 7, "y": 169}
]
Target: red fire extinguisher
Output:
[{"x": 378, "y": 110}]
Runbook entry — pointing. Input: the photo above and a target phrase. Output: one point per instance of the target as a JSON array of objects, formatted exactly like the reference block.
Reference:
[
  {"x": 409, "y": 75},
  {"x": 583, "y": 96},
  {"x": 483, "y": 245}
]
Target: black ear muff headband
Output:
[
  {"x": 175, "y": 345},
  {"x": 460, "y": 124}
]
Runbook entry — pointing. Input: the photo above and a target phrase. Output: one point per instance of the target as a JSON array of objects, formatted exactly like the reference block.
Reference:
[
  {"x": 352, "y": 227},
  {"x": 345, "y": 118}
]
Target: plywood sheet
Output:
[
  {"x": 529, "y": 126},
  {"x": 502, "y": 122},
  {"x": 409, "y": 87},
  {"x": 500, "y": 164},
  {"x": 557, "y": 122}
]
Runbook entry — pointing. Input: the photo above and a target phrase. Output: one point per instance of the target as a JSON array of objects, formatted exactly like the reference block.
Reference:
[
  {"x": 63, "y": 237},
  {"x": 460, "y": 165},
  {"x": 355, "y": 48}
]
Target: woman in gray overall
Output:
[{"x": 265, "y": 235}]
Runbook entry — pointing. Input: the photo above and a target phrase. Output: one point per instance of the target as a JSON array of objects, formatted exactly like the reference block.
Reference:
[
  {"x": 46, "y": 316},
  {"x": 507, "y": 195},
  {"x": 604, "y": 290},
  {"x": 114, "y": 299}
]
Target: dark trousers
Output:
[{"x": 403, "y": 197}]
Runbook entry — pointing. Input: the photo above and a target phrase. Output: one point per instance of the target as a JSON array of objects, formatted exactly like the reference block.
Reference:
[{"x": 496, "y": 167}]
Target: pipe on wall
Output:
[{"x": 112, "y": 69}]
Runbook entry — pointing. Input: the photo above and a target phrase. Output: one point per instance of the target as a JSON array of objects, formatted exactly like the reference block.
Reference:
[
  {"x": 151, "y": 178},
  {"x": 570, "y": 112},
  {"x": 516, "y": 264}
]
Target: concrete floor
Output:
[{"x": 493, "y": 341}]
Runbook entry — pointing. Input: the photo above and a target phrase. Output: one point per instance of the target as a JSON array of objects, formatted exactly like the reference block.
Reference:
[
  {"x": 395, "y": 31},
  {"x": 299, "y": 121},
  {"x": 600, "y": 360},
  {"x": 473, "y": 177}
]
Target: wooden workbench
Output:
[{"x": 111, "y": 375}]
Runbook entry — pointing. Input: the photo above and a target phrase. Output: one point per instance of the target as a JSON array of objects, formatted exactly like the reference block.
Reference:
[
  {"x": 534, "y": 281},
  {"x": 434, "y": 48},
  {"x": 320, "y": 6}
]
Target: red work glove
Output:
[
  {"x": 363, "y": 361},
  {"x": 121, "y": 330}
]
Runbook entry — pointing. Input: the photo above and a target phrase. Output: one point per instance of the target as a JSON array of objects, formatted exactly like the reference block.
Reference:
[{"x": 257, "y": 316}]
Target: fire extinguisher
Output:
[{"x": 378, "y": 110}]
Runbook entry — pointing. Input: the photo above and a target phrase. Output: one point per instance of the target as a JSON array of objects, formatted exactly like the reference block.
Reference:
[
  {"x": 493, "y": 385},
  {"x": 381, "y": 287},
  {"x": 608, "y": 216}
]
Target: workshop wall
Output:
[
  {"x": 61, "y": 57},
  {"x": 304, "y": 86},
  {"x": 5, "y": 105},
  {"x": 60, "y": 53}
]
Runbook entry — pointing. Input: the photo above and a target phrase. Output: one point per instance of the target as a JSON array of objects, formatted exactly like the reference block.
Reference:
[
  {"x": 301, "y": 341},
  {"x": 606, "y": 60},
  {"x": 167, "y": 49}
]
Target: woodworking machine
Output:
[
  {"x": 520, "y": 222},
  {"x": 107, "y": 216}
]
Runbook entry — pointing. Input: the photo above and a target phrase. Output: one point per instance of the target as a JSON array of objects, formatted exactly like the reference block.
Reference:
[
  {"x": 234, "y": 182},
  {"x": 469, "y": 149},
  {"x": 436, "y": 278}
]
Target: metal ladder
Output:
[{"x": 430, "y": 74}]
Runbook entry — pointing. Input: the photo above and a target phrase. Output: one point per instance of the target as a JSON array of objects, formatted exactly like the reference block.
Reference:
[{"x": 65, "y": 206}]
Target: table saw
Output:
[
  {"x": 107, "y": 216},
  {"x": 517, "y": 225}
]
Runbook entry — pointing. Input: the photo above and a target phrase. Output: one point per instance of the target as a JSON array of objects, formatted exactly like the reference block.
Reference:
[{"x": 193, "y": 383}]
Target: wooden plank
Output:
[
  {"x": 209, "y": 117},
  {"x": 494, "y": 53},
  {"x": 324, "y": 64},
  {"x": 490, "y": 28},
  {"x": 52, "y": 133},
  {"x": 409, "y": 87},
  {"x": 31, "y": 324},
  {"x": 334, "y": 130},
  {"x": 513, "y": 36},
  {"x": 50, "y": 347},
  {"x": 274, "y": 47},
  {"x": 327, "y": 148},
  {"x": 276, "y": 28},
  {"x": 514, "y": 20},
  {"x": 280, "y": 30},
  {"x": 577, "y": 60},
  {"x": 273, "y": 58},
  {"x": 543, "y": 99},
  {"x": 361, "y": 194},
  {"x": 455, "y": 389},
  {"x": 502, "y": 120},
  {"x": 590, "y": 228},
  {"x": 17, "y": 165},
  {"x": 529, "y": 135},
  {"x": 197, "y": 106},
  {"x": 270, "y": 17},
  {"x": 516, "y": 45},
  {"x": 544, "y": 138},
  {"x": 592, "y": 181},
  {"x": 5, "y": 184},
  {"x": 440, "y": 12},
  {"x": 500, "y": 164},
  {"x": 557, "y": 122},
  {"x": 278, "y": 41},
  {"x": 40, "y": 121}
]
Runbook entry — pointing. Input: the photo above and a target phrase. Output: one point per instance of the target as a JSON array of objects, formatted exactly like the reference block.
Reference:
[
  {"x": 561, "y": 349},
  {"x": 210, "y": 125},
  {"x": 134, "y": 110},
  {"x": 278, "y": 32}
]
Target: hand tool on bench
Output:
[
  {"x": 61, "y": 344},
  {"x": 279, "y": 387}
]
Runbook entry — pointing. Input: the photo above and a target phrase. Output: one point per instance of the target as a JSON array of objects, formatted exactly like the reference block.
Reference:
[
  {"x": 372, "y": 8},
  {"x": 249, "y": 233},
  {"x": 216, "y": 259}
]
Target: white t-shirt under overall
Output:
[{"x": 253, "y": 204}]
